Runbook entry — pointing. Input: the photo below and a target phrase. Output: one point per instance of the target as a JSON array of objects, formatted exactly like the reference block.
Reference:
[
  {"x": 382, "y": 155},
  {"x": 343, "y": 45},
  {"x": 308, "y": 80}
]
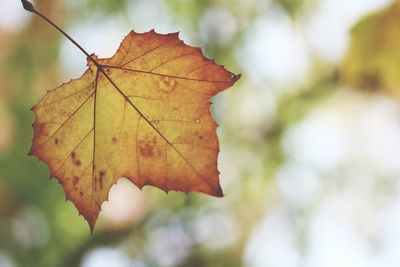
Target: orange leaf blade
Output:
[{"x": 143, "y": 114}]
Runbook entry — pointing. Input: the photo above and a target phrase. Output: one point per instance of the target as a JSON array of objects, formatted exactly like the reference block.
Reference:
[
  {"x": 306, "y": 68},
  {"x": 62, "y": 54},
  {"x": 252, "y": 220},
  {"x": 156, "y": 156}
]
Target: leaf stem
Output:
[{"x": 29, "y": 7}]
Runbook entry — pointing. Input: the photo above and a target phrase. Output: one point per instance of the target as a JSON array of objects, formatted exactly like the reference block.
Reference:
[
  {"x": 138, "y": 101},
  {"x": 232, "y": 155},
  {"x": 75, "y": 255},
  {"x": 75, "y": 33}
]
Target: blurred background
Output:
[{"x": 310, "y": 137}]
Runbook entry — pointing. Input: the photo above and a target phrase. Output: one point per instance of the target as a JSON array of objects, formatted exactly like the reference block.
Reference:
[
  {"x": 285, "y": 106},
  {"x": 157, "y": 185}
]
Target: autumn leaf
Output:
[
  {"x": 373, "y": 59},
  {"x": 143, "y": 114}
]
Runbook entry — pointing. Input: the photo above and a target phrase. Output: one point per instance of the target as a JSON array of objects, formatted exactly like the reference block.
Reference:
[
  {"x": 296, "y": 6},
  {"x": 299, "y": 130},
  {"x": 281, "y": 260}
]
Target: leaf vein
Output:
[
  {"x": 62, "y": 125},
  {"x": 66, "y": 97},
  {"x": 145, "y": 53}
]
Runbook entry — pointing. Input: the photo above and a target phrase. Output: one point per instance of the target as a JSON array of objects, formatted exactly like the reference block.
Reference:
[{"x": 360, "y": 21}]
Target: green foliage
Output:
[
  {"x": 292, "y": 7},
  {"x": 373, "y": 60},
  {"x": 106, "y": 6}
]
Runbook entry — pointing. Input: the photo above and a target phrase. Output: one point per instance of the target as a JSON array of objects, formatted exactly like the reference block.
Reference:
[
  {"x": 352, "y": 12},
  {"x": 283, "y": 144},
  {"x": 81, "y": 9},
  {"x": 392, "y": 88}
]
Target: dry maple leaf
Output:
[{"x": 143, "y": 114}]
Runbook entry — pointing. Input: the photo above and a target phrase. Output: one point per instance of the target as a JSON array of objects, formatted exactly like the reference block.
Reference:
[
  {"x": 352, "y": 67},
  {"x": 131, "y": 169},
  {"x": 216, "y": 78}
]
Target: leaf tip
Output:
[
  {"x": 175, "y": 34},
  {"x": 89, "y": 217},
  {"x": 92, "y": 225},
  {"x": 218, "y": 192},
  {"x": 28, "y": 6},
  {"x": 30, "y": 152},
  {"x": 236, "y": 77}
]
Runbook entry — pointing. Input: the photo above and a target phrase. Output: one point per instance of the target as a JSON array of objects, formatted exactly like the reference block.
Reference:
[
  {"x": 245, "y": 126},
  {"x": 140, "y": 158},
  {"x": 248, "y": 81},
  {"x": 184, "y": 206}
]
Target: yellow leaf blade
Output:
[{"x": 143, "y": 114}]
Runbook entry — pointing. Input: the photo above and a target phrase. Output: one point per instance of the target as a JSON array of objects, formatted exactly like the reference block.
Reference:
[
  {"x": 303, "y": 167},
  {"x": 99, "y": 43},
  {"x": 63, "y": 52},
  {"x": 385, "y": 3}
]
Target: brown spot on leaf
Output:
[
  {"x": 114, "y": 140},
  {"x": 167, "y": 84},
  {"x": 199, "y": 136},
  {"x": 56, "y": 141},
  {"x": 78, "y": 163},
  {"x": 75, "y": 180},
  {"x": 73, "y": 155},
  {"x": 148, "y": 148}
]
